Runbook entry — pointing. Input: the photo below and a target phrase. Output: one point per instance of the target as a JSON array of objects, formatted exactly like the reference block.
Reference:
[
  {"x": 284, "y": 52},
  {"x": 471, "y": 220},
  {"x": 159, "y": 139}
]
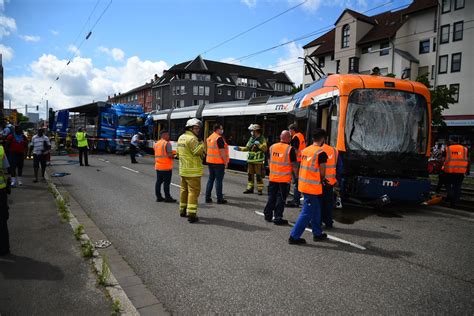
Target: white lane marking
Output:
[
  {"x": 104, "y": 160},
  {"x": 334, "y": 238},
  {"x": 175, "y": 185},
  {"x": 130, "y": 169}
]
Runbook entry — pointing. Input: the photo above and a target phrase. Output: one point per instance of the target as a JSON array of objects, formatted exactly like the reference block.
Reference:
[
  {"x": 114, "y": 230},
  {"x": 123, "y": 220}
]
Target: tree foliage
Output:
[
  {"x": 21, "y": 118},
  {"x": 441, "y": 98}
]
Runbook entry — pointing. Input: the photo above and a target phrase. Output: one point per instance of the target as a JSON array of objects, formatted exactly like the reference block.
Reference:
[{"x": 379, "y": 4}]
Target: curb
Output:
[
  {"x": 113, "y": 288},
  {"x": 451, "y": 211}
]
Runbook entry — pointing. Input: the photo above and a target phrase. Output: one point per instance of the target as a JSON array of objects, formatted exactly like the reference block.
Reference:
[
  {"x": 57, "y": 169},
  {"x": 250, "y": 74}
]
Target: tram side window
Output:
[
  {"x": 177, "y": 128},
  {"x": 236, "y": 129},
  {"x": 334, "y": 124}
]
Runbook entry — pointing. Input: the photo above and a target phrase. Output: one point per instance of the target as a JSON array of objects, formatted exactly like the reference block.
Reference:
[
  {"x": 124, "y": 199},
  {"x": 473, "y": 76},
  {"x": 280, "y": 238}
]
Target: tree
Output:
[
  {"x": 21, "y": 118},
  {"x": 297, "y": 89},
  {"x": 441, "y": 98}
]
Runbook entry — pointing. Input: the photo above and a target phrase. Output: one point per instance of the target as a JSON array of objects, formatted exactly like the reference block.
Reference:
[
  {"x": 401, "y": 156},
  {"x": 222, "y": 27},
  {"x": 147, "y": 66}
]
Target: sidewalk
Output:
[{"x": 45, "y": 273}]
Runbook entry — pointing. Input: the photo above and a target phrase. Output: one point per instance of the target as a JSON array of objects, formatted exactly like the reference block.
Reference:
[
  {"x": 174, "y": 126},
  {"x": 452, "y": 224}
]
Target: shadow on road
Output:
[
  {"x": 24, "y": 268},
  {"x": 230, "y": 224}
]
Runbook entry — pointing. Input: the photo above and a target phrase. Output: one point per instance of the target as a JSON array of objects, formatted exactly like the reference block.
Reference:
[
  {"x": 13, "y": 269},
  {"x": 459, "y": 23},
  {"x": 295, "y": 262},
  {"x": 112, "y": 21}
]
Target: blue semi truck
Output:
[{"x": 109, "y": 126}]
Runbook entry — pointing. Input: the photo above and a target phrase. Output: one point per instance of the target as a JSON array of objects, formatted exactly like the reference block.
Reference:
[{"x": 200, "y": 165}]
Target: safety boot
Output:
[
  {"x": 192, "y": 218},
  {"x": 182, "y": 213},
  {"x": 248, "y": 191}
]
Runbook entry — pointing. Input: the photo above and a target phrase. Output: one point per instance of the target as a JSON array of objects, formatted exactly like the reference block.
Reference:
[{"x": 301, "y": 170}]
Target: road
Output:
[{"x": 232, "y": 261}]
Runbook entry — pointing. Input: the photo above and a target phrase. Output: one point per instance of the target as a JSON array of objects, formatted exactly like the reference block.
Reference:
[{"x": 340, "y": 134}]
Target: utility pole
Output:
[{"x": 26, "y": 109}]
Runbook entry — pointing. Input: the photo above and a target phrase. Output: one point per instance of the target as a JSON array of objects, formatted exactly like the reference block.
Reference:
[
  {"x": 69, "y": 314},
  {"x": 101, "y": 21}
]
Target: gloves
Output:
[
  {"x": 236, "y": 148},
  {"x": 256, "y": 142}
]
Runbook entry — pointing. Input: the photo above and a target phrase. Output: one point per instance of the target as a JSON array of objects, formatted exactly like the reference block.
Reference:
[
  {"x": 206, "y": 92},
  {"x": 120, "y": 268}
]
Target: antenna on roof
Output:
[{"x": 313, "y": 67}]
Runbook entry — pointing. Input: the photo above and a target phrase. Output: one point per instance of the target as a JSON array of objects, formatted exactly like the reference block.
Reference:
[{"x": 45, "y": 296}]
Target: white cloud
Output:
[
  {"x": 7, "y": 52},
  {"x": 291, "y": 64},
  {"x": 230, "y": 60},
  {"x": 7, "y": 25},
  {"x": 30, "y": 38},
  {"x": 73, "y": 49},
  {"x": 80, "y": 82},
  {"x": 249, "y": 3},
  {"x": 54, "y": 32},
  {"x": 116, "y": 53}
]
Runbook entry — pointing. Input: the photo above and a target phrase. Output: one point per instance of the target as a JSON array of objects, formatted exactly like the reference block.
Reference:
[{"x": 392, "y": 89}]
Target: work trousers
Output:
[
  {"x": 311, "y": 212},
  {"x": 216, "y": 173},
  {"x": 190, "y": 190},
  {"x": 255, "y": 170},
  {"x": 277, "y": 193},
  {"x": 327, "y": 205},
  {"x": 133, "y": 153},
  {"x": 83, "y": 153},
  {"x": 453, "y": 182},
  {"x": 163, "y": 177},
  {"x": 296, "y": 193},
  {"x": 4, "y": 236},
  {"x": 16, "y": 164}
]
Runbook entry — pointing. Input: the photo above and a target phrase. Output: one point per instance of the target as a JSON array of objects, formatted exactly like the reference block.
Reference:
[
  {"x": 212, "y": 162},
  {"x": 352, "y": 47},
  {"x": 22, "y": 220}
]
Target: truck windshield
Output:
[
  {"x": 379, "y": 121},
  {"x": 128, "y": 120}
]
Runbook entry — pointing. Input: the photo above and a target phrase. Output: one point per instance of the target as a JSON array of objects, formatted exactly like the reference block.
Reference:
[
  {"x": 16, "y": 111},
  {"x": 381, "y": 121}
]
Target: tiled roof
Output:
[
  {"x": 224, "y": 72},
  {"x": 385, "y": 26}
]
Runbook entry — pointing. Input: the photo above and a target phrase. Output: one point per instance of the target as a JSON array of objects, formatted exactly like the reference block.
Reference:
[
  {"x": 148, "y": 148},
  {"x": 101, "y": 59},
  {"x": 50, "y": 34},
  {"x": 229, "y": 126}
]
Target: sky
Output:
[{"x": 132, "y": 40}]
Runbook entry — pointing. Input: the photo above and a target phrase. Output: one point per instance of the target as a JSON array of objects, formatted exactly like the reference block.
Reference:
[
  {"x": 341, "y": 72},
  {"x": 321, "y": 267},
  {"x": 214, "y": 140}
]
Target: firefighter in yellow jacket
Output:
[
  {"x": 256, "y": 147},
  {"x": 190, "y": 153}
]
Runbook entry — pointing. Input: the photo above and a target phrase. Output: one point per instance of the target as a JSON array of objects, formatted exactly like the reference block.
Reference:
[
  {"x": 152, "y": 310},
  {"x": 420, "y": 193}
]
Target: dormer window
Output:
[{"x": 345, "y": 36}]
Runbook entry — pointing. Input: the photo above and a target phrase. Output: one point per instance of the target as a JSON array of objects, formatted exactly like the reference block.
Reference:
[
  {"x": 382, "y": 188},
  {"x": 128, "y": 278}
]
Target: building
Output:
[
  {"x": 141, "y": 95},
  {"x": 424, "y": 37},
  {"x": 201, "y": 81}
]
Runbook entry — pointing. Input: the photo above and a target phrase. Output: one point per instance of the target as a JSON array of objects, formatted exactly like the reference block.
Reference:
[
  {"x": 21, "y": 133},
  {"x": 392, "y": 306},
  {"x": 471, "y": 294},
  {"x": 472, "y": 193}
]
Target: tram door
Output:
[
  {"x": 208, "y": 130},
  {"x": 300, "y": 118}
]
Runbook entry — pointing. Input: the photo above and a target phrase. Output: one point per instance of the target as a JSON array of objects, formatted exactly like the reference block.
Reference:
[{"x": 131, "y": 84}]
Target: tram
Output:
[{"x": 380, "y": 125}]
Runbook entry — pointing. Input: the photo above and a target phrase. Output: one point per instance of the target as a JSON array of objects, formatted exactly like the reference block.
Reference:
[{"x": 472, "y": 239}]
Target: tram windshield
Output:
[{"x": 382, "y": 121}]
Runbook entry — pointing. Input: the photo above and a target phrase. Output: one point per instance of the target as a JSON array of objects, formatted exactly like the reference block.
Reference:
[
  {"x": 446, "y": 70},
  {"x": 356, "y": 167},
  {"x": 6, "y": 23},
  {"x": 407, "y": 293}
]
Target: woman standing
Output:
[{"x": 17, "y": 145}]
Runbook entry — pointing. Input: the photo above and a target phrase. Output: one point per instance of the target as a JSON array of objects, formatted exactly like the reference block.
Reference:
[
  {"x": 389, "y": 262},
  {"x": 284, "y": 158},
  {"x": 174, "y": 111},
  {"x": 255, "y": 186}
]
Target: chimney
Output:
[
  {"x": 115, "y": 94},
  {"x": 156, "y": 77}
]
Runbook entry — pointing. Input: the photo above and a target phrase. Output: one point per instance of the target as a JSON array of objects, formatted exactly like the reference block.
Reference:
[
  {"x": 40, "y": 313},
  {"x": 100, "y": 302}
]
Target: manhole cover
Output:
[{"x": 102, "y": 244}]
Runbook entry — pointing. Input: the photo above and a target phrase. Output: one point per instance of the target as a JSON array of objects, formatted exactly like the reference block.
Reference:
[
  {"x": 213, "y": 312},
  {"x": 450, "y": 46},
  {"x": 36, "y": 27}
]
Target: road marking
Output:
[
  {"x": 130, "y": 169},
  {"x": 104, "y": 160},
  {"x": 334, "y": 238},
  {"x": 175, "y": 185}
]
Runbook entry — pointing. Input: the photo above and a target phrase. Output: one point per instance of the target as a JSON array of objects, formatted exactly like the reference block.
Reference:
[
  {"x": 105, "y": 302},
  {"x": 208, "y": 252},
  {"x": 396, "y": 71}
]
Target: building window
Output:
[
  {"x": 446, "y": 6},
  {"x": 345, "y": 36},
  {"x": 443, "y": 64},
  {"x": 338, "y": 66},
  {"x": 201, "y": 77},
  {"x": 179, "y": 103},
  {"x": 158, "y": 95},
  {"x": 206, "y": 91},
  {"x": 254, "y": 94},
  {"x": 332, "y": 56},
  {"x": 424, "y": 47},
  {"x": 218, "y": 78},
  {"x": 195, "y": 90},
  {"x": 444, "y": 34},
  {"x": 384, "y": 48},
  {"x": 423, "y": 71},
  {"x": 252, "y": 83},
  {"x": 457, "y": 31},
  {"x": 434, "y": 44},
  {"x": 321, "y": 62},
  {"x": 219, "y": 91},
  {"x": 366, "y": 49},
  {"x": 242, "y": 82},
  {"x": 432, "y": 71},
  {"x": 201, "y": 90},
  {"x": 456, "y": 62},
  {"x": 229, "y": 93},
  {"x": 458, "y": 4},
  {"x": 456, "y": 93},
  {"x": 353, "y": 64},
  {"x": 240, "y": 94}
]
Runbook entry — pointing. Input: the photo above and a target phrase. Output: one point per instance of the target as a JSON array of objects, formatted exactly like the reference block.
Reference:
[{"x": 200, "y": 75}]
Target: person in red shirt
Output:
[{"x": 17, "y": 145}]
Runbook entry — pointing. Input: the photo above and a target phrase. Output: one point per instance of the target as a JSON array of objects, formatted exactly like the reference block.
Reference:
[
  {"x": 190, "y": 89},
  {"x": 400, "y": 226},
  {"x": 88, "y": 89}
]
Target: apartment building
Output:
[
  {"x": 141, "y": 95},
  {"x": 427, "y": 36},
  {"x": 201, "y": 81}
]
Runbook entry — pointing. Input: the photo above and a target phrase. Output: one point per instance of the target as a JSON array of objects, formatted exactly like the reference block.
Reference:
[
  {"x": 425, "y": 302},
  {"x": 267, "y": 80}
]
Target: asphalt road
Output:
[{"x": 232, "y": 261}]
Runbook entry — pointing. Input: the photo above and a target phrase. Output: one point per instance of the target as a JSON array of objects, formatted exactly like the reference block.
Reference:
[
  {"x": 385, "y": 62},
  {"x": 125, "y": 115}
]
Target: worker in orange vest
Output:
[
  {"x": 217, "y": 159},
  {"x": 456, "y": 165},
  {"x": 298, "y": 142},
  {"x": 164, "y": 157},
  {"x": 333, "y": 169},
  {"x": 282, "y": 164},
  {"x": 311, "y": 178}
]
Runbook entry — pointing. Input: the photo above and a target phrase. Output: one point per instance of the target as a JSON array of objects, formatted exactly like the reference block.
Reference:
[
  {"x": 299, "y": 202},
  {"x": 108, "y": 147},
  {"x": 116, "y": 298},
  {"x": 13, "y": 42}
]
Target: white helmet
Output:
[
  {"x": 254, "y": 127},
  {"x": 193, "y": 122}
]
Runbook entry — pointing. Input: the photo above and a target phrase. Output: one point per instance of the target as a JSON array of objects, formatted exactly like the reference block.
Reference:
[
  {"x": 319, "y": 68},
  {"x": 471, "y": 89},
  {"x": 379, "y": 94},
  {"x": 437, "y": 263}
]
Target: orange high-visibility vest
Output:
[
  {"x": 331, "y": 163},
  {"x": 309, "y": 179},
  {"x": 162, "y": 158},
  {"x": 456, "y": 159},
  {"x": 301, "y": 146},
  {"x": 213, "y": 151},
  {"x": 280, "y": 163}
]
